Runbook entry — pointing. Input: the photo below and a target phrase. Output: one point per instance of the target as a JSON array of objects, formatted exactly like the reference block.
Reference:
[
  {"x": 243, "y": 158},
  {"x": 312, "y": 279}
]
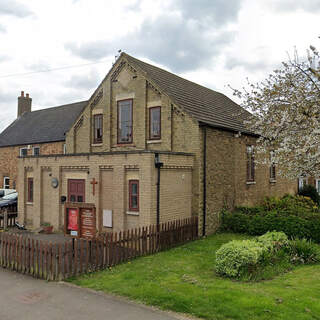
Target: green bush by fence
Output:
[{"x": 296, "y": 216}]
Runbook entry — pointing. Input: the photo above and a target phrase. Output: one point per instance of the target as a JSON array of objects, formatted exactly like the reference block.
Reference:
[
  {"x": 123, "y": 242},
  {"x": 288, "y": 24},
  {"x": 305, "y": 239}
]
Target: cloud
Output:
[
  {"x": 87, "y": 81},
  {"x": 4, "y": 58},
  {"x": 249, "y": 65},
  {"x": 218, "y": 12},
  {"x": 179, "y": 40},
  {"x": 293, "y": 5},
  {"x": 38, "y": 66},
  {"x": 3, "y": 29},
  {"x": 14, "y": 8}
]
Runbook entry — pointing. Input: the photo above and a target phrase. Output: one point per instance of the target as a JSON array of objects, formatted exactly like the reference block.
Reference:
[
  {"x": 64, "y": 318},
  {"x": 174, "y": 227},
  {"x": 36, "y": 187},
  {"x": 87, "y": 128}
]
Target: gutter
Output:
[{"x": 204, "y": 214}]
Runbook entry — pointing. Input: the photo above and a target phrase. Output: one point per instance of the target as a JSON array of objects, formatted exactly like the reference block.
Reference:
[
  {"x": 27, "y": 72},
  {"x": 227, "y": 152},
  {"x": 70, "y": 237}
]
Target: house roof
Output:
[
  {"x": 46, "y": 125},
  {"x": 205, "y": 105}
]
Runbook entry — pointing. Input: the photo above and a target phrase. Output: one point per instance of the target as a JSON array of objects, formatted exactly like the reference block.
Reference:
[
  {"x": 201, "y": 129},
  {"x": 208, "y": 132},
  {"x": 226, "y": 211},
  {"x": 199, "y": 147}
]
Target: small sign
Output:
[
  {"x": 107, "y": 218},
  {"x": 74, "y": 233},
  {"x": 73, "y": 219}
]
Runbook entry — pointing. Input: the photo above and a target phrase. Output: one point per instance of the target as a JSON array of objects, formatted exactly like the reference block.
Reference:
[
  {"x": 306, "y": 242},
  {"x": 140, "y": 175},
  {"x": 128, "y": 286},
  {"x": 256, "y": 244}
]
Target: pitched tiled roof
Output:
[
  {"x": 205, "y": 105},
  {"x": 47, "y": 125}
]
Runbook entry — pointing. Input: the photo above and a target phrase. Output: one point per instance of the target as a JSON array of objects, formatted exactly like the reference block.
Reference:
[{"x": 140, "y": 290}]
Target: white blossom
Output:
[{"x": 285, "y": 113}]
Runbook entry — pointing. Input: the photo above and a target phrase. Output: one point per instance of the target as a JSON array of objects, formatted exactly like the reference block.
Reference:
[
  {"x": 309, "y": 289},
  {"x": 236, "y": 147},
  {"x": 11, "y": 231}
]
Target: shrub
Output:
[
  {"x": 311, "y": 192},
  {"x": 236, "y": 256},
  {"x": 273, "y": 240},
  {"x": 258, "y": 224},
  {"x": 303, "y": 251}
]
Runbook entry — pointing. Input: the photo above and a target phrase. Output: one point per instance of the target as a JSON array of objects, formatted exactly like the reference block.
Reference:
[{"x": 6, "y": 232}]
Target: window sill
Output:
[
  {"x": 133, "y": 213},
  {"x": 129, "y": 144},
  {"x": 96, "y": 144},
  {"x": 29, "y": 203},
  {"x": 250, "y": 182},
  {"x": 154, "y": 141},
  {"x": 273, "y": 181}
]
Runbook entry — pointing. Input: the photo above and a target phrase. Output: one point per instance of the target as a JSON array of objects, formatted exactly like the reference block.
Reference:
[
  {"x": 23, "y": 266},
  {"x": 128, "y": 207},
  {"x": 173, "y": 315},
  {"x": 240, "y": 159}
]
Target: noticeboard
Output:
[{"x": 80, "y": 220}]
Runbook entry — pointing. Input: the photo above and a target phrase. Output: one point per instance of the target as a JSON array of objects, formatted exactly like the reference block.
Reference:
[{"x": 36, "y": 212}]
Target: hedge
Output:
[{"x": 258, "y": 224}]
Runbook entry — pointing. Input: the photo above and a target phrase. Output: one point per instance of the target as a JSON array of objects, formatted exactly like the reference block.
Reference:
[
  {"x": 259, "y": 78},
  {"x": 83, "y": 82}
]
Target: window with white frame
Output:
[
  {"x": 302, "y": 182},
  {"x": 23, "y": 152},
  {"x": 36, "y": 151},
  {"x": 6, "y": 183}
]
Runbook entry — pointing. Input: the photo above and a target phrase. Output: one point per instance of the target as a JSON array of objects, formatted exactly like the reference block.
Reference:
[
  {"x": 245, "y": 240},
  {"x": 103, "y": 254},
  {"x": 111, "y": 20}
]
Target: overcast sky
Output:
[{"x": 215, "y": 43}]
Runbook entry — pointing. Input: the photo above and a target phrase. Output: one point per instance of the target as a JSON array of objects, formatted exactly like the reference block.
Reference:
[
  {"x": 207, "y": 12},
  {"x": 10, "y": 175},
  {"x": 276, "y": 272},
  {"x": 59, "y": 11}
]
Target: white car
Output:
[{"x": 4, "y": 192}]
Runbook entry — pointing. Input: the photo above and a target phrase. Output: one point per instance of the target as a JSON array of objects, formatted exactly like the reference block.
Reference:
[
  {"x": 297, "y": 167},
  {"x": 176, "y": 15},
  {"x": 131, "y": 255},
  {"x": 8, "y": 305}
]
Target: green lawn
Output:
[{"x": 183, "y": 280}]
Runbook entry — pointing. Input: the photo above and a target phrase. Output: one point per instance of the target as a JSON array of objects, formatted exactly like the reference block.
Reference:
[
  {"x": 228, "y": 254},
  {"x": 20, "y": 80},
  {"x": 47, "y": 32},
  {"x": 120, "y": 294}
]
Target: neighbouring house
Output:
[
  {"x": 34, "y": 133},
  {"x": 149, "y": 147}
]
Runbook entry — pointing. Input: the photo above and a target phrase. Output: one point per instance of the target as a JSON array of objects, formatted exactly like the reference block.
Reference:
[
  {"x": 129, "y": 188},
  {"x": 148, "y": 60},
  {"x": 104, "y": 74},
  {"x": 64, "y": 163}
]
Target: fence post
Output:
[{"x": 5, "y": 219}]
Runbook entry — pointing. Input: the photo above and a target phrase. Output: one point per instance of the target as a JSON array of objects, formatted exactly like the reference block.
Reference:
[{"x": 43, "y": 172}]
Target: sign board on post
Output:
[
  {"x": 88, "y": 223},
  {"x": 80, "y": 220}
]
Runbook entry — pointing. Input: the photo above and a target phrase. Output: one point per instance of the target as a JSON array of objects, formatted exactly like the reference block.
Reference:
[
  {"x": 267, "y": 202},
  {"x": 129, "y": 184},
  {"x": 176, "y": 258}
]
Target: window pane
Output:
[
  {"x": 134, "y": 195},
  {"x": 250, "y": 163},
  {"x": 134, "y": 202},
  {"x": 98, "y": 128},
  {"x": 125, "y": 121},
  {"x": 30, "y": 190},
  {"x": 23, "y": 152},
  {"x": 155, "y": 122},
  {"x": 36, "y": 151},
  {"x": 134, "y": 189}
]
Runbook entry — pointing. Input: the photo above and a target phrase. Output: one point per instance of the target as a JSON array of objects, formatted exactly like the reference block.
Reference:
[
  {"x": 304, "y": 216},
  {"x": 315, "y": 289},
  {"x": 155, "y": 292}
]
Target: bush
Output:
[
  {"x": 300, "y": 206},
  {"x": 311, "y": 192},
  {"x": 273, "y": 240},
  {"x": 303, "y": 251},
  {"x": 234, "y": 257},
  {"x": 244, "y": 258},
  {"x": 264, "y": 257},
  {"x": 292, "y": 226}
]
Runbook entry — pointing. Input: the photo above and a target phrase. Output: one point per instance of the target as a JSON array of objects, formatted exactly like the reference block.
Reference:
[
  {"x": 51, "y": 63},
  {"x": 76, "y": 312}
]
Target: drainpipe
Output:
[
  {"x": 204, "y": 181},
  {"x": 158, "y": 165}
]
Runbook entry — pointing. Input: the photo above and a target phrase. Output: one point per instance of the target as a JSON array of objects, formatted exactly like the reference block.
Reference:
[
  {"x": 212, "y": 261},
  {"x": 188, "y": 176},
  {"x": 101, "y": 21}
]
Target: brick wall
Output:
[
  {"x": 9, "y": 159},
  {"x": 227, "y": 185}
]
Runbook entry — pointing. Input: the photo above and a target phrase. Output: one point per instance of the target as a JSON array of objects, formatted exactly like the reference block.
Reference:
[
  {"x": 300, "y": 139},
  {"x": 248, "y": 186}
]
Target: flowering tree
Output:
[{"x": 285, "y": 113}]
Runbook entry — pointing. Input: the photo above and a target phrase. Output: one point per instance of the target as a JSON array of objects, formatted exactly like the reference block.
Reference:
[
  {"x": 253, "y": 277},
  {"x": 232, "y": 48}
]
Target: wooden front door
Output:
[{"x": 76, "y": 190}]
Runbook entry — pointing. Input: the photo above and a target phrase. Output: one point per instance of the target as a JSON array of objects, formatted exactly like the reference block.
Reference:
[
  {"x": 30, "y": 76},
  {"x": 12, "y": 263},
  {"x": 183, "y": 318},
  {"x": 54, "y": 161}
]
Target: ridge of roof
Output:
[
  {"x": 42, "y": 126},
  {"x": 52, "y": 108}
]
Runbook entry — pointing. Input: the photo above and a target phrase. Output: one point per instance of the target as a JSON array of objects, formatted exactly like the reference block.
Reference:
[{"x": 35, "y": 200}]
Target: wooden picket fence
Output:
[
  {"x": 57, "y": 261},
  {"x": 8, "y": 217}
]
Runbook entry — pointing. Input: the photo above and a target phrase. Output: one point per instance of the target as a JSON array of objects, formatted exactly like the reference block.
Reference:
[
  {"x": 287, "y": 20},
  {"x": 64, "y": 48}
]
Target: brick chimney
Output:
[{"x": 24, "y": 104}]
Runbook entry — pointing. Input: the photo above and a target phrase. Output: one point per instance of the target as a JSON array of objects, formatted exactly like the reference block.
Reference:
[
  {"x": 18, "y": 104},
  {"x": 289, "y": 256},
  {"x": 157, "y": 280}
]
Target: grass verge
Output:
[{"x": 183, "y": 280}]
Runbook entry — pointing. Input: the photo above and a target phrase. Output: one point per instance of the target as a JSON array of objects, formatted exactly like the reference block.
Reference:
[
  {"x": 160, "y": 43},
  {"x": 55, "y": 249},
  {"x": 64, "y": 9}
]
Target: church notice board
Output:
[{"x": 80, "y": 220}]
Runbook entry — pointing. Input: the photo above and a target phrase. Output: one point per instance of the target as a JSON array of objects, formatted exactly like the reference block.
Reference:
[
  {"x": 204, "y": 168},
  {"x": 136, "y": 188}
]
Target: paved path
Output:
[{"x": 23, "y": 297}]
